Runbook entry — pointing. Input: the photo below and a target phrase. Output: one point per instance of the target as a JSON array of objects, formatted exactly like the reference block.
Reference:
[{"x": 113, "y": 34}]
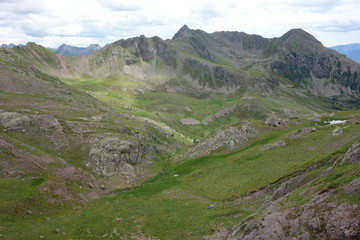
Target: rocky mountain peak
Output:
[
  {"x": 94, "y": 46},
  {"x": 184, "y": 31},
  {"x": 298, "y": 35},
  {"x": 62, "y": 46}
]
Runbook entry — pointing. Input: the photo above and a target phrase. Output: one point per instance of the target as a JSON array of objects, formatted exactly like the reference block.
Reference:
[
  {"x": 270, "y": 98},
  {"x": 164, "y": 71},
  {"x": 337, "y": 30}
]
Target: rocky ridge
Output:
[
  {"x": 72, "y": 51},
  {"x": 229, "y": 138},
  {"x": 114, "y": 156}
]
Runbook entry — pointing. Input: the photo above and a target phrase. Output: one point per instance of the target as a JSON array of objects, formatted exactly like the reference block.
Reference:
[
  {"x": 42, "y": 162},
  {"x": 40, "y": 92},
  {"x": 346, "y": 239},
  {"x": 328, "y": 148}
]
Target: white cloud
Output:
[
  {"x": 330, "y": 39},
  {"x": 115, "y": 5},
  {"x": 53, "y": 22}
]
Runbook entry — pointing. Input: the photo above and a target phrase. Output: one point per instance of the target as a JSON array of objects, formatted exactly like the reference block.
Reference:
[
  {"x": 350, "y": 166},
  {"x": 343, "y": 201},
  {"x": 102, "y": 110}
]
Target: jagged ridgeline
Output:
[
  {"x": 220, "y": 62},
  {"x": 203, "y": 136},
  {"x": 71, "y": 51}
]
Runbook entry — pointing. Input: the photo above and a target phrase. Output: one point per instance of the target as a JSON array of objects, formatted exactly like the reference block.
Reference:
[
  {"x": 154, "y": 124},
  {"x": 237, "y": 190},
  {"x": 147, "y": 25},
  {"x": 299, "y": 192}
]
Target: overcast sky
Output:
[{"x": 82, "y": 22}]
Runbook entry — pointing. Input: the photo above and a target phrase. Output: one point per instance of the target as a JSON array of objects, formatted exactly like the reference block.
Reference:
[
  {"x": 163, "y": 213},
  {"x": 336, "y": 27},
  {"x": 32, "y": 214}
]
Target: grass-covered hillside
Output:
[{"x": 210, "y": 195}]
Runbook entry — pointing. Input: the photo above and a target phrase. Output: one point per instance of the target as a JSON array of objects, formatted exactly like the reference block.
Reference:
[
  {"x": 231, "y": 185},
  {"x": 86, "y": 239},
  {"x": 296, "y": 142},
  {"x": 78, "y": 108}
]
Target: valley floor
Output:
[{"x": 212, "y": 197}]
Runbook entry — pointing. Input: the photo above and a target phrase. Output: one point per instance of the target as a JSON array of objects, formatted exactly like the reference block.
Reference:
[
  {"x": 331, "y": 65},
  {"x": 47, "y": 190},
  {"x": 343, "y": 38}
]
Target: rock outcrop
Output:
[
  {"x": 337, "y": 131},
  {"x": 352, "y": 154},
  {"x": 229, "y": 138},
  {"x": 352, "y": 187},
  {"x": 280, "y": 143},
  {"x": 189, "y": 121},
  {"x": 315, "y": 220},
  {"x": 273, "y": 120},
  {"x": 12, "y": 121},
  {"x": 113, "y": 156},
  {"x": 306, "y": 130}
]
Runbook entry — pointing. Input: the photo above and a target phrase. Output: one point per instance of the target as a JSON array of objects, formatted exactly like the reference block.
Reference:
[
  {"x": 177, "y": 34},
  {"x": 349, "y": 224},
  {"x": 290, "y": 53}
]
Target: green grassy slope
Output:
[{"x": 197, "y": 197}]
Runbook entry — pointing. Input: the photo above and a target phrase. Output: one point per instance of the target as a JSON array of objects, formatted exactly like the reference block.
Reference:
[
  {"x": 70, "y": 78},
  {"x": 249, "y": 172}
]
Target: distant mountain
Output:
[
  {"x": 11, "y": 45},
  {"x": 352, "y": 51},
  {"x": 72, "y": 51}
]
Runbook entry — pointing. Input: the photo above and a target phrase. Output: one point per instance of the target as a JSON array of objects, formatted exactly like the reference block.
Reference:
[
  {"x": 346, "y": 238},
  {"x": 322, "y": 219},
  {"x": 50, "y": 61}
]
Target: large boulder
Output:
[
  {"x": 49, "y": 126},
  {"x": 337, "y": 131},
  {"x": 352, "y": 154},
  {"x": 229, "y": 138},
  {"x": 113, "y": 156},
  {"x": 306, "y": 130},
  {"x": 46, "y": 122},
  {"x": 12, "y": 121},
  {"x": 277, "y": 144},
  {"x": 273, "y": 120}
]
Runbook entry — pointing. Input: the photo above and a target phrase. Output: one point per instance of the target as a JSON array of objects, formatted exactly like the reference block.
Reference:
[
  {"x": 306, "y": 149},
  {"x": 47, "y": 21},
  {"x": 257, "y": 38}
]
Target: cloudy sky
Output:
[{"x": 82, "y": 22}]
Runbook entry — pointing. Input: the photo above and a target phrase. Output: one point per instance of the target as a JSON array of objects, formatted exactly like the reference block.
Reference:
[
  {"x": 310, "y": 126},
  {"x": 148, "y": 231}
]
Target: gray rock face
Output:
[
  {"x": 189, "y": 121},
  {"x": 225, "y": 111},
  {"x": 188, "y": 109},
  {"x": 228, "y": 138},
  {"x": 341, "y": 222},
  {"x": 307, "y": 130},
  {"x": 12, "y": 121},
  {"x": 288, "y": 186},
  {"x": 207, "y": 120},
  {"x": 49, "y": 126},
  {"x": 314, "y": 119},
  {"x": 46, "y": 123},
  {"x": 273, "y": 120},
  {"x": 300, "y": 133},
  {"x": 280, "y": 143},
  {"x": 12, "y": 172},
  {"x": 352, "y": 154},
  {"x": 114, "y": 156},
  {"x": 316, "y": 219},
  {"x": 352, "y": 187},
  {"x": 337, "y": 131}
]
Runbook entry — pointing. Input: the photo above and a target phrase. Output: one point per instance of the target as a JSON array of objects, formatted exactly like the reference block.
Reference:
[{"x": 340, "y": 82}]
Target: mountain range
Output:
[
  {"x": 11, "y": 45},
  {"x": 352, "y": 51},
  {"x": 222, "y": 135},
  {"x": 71, "y": 51}
]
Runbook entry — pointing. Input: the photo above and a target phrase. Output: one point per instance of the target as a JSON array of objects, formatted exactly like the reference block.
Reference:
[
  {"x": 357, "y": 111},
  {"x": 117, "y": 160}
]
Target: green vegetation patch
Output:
[{"x": 37, "y": 181}]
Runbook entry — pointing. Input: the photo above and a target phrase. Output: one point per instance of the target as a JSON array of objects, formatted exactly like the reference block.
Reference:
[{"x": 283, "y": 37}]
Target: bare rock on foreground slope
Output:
[
  {"x": 229, "y": 138},
  {"x": 12, "y": 121},
  {"x": 273, "y": 120},
  {"x": 277, "y": 144},
  {"x": 321, "y": 217},
  {"x": 352, "y": 154},
  {"x": 315, "y": 220},
  {"x": 112, "y": 156}
]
